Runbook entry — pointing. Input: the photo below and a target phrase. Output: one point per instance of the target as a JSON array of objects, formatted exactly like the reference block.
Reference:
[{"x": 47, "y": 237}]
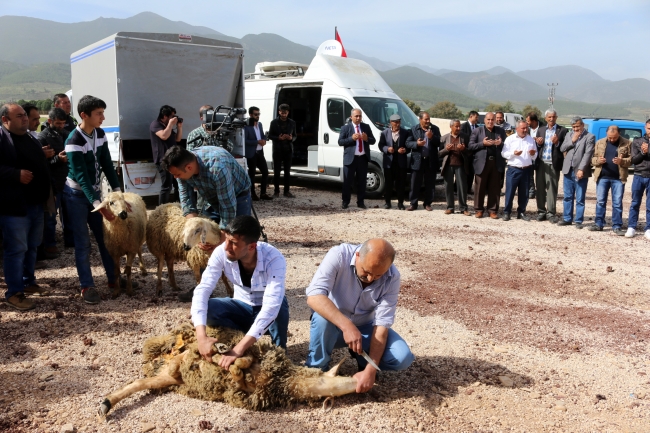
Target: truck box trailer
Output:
[{"x": 137, "y": 73}]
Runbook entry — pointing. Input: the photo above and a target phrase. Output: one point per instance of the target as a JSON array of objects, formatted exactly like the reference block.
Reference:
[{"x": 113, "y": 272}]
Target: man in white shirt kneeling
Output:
[
  {"x": 519, "y": 151},
  {"x": 257, "y": 272}
]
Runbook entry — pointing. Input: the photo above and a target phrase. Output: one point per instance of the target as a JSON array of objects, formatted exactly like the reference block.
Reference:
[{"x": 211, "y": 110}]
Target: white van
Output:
[{"x": 321, "y": 96}]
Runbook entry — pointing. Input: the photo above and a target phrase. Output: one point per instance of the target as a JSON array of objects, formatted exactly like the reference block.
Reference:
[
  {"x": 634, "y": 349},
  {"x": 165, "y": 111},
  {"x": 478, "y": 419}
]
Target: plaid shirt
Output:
[
  {"x": 207, "y": 140},
  {"x": 220, "y": 180},
  {"x": 547, "y": 152}
]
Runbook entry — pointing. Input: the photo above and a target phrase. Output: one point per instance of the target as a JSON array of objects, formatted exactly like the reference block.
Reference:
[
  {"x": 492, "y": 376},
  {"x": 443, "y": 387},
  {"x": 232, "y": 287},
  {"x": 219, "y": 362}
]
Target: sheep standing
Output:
[
  {"x": 124, "y": 235},
  {"x": 171, "y": 236},
  {"x": 261, "y": 379}
]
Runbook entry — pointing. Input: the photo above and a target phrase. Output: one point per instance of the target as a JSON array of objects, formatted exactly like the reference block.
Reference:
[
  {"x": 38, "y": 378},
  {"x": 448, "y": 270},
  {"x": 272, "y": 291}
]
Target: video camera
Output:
[{"x": 222, "y": 123}]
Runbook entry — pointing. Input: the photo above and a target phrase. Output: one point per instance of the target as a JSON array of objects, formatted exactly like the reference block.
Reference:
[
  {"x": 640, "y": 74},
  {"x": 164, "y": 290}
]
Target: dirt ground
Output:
[{"x": 516, "y": 326}]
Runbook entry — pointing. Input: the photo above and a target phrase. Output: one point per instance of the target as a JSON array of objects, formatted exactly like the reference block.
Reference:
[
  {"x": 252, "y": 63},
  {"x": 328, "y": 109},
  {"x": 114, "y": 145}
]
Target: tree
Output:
[
  {"x": 532, "y": 109},
  {"x": 413, "y": 106},
  {"x": 506, "y": 108},
  {"x": 445, "y": 110}
]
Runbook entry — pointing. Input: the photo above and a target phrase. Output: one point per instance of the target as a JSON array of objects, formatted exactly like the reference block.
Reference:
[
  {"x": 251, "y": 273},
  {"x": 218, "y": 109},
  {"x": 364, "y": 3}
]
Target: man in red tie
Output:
[{"x": 356, "y": 138}]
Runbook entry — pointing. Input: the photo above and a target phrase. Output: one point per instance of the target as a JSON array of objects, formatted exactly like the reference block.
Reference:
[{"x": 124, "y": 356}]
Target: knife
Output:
[{"x": 370, "y": 361}]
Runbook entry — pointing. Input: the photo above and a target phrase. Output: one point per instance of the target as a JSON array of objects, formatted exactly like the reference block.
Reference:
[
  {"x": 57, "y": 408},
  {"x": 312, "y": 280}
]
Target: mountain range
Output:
[{"x": 33, "y": 67}]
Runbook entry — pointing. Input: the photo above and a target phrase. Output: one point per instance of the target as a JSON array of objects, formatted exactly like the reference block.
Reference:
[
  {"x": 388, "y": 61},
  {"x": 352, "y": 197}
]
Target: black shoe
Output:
[
  {"x": 344, "y": 206},
  {"x": 552, "y": 219},
  {"x": 265, "y": 196},
  {"x": 564, "y": 223},
  {"x": 254, "y": 197},
  {"x": 186, "y": 296},
  {"x": 400, "y": 206},
  {"x": 276, "y": 194},
  {"x": 387, "y": 206},
  {"x": 541, "y": 217},
  {"x": 618, "y": 231},
  {"x": 90, "y": 295},
  {"x": 579, "y": 226},
  {"x": 531, "y": 195},
  {"x": 289, "y": 195},
  {"x": 595, "y": 228},
  {"x": 40, "y": 264},
  {"x": 361, "y": 206},
  {"x": 506, "y": 217},
  {"x": 523, "y": 217}
]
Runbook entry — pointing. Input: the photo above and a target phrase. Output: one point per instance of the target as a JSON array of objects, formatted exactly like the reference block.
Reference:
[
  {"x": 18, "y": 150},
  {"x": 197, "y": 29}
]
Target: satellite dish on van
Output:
[{"x": 330, "y": 48}]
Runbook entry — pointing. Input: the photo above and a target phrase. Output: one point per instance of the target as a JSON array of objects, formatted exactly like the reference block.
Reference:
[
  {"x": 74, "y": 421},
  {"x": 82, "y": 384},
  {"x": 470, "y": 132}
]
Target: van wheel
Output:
[{"x": 375, "y": 182}]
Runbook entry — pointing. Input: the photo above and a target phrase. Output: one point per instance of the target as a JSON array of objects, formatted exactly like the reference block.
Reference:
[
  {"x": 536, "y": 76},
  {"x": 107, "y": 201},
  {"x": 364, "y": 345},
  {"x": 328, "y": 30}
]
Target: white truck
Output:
[
  {"x": 321, "y": 96},
  {"x": 137, "y": 73}
]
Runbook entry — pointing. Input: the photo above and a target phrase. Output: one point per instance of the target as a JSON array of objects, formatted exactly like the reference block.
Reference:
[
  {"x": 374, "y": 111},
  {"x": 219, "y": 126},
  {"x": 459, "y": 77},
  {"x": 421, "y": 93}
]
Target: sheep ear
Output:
[
  {"x": 102, "y": 205},
  {"x": 334, "y": 370}
]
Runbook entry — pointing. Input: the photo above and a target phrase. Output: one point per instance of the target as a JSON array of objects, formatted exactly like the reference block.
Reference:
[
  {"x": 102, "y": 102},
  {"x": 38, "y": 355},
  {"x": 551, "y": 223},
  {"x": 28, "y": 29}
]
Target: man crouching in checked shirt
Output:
[
  {"x": 354, "y": 295},
  {"x": 257, "y": 272}
]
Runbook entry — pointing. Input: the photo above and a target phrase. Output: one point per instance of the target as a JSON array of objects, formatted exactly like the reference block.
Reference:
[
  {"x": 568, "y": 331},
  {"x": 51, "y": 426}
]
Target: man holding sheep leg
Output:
[
  {"x": 257, "y": 272},
  {"x": 354, "y": 297}
]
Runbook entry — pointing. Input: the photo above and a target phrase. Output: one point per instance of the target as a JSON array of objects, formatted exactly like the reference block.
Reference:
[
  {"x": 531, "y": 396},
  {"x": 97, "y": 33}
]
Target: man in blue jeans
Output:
[
  {"x": 257, "y": 271},
  {"x": 354, "y": 296},
  {"x": 89, "y": 157},
  {"x": 579, "y": 148},
  {"x": 611, "y": 161},
  {"x": 640, "y": 183},
  {"x": 25, "y": 187}
]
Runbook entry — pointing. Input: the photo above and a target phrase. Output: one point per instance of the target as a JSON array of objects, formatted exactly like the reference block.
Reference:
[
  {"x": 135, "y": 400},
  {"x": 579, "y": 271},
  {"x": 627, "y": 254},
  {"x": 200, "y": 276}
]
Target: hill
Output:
[
  {"x": 612, "y": 91},
  {"x": 417, "y": 77},
  {"x": 572, "y": 108},
  {"x": 427, "y": 96},
  {"x": 570, "y": 77},
  {"x": 501, "y": 87}
]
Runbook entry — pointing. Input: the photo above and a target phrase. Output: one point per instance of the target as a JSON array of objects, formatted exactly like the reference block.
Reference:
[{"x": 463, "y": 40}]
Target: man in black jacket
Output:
[
  {"x": 466, "y": 129},
  {"x": 641, "y": 183},
  {"x": 356, "y": 138},
  {"x": 26, "y": 186},
  {"x": 392, "y": 143},
  {"x": 62, "y": 101},
  {"x": 282, "y": 132},
  {"x": 423, "y": 142},
  {"x": 548, "y": 166},
  {"x": 54, "y": 135}
]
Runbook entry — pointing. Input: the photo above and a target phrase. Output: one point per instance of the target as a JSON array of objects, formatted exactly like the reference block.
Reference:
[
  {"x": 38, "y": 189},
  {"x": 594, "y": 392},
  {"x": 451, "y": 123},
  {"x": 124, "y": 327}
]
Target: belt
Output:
[
  {"x": 490, "y": 158},
  {"x": 243, "y": 194},
  {"x": 519, "y": 168}
]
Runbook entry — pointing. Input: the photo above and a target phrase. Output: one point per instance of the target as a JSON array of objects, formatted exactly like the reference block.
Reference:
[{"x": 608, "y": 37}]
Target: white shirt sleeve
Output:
[
  {"x": 507, "y": 152},
  {"x": 275, "y": 271},
  {"x": 209, "y": 281}
]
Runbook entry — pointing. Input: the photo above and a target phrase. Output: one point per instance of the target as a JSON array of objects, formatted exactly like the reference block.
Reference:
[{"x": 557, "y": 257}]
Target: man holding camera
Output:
[{"x": 165, "y": 131}]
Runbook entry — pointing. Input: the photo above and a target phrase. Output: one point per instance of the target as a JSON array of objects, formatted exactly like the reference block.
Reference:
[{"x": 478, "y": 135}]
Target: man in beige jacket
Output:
[{"x": 612, "y": 157}]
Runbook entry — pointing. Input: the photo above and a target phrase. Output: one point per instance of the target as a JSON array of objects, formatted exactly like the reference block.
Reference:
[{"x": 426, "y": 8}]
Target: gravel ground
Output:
[{"x": 516, "y": 327}]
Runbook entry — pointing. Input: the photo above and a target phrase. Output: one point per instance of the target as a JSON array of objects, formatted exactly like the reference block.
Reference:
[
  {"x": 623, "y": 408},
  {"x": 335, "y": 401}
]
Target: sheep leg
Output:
[
  {"x": 197, "y": 274},
  {"x": 161, "y": 263},
  {"x": 170, "y": 271},
  {"x": 127, "y": 270},
  {"x": 229, "y": 290},
  {"x": 169, "y": 375},
  {"x": 117, "y": 289},
  {"x": 143, "y": 269}
]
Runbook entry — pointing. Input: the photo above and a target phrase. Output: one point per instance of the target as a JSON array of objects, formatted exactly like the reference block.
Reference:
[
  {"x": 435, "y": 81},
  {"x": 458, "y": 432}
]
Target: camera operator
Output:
[
  {"x": 203, "y": 131},
  {"x": 165, "y": 132}
]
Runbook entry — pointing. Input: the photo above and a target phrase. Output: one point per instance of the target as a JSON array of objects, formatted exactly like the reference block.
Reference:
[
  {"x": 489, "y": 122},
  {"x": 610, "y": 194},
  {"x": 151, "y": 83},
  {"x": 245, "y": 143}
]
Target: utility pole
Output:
[{"x": 551, "y": 94}]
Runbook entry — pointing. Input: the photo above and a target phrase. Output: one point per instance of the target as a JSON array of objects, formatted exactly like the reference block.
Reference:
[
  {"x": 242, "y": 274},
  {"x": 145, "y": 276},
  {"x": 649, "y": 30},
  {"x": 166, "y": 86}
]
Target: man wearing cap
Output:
[{"x": 392, "y": 144}]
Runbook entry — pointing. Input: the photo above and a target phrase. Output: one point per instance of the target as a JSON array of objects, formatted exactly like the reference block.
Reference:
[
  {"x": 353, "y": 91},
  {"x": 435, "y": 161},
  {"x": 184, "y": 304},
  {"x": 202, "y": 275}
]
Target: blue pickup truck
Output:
[{"x": 628, "y": 128}]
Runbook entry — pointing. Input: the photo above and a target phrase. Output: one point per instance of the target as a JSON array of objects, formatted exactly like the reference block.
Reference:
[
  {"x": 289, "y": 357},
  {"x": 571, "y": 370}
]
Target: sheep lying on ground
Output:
[
  {"x": 124, "y": 235},
  {"x": 261, "y": 379},
  {"x": 171, "y": 236}
]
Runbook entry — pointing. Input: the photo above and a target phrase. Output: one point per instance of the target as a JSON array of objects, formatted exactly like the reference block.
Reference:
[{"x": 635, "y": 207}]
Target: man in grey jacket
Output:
[
  {"x": 579, "y": 149},
  {"x": 640, "y": 183}
]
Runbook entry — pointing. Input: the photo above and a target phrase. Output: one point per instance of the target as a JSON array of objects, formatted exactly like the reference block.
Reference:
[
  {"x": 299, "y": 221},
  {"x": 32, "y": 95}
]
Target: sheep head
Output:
[
  {"x": 201, "y": 231},
  {"x": 116, "y": 203}
]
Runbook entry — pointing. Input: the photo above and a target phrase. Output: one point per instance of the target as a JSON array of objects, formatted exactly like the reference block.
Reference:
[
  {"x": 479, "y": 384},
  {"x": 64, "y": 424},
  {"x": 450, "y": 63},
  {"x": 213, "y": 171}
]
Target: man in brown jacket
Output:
[
  {"x": 612, "y": 157},
  {"x": 453, "y": 150}
]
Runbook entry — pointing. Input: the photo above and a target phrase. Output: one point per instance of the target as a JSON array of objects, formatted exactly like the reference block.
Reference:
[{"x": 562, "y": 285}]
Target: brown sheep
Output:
[
  {"x": 124, "y": 235},
  {"x": 171, "y": 237},
  {"x": 261, "y": 379}
]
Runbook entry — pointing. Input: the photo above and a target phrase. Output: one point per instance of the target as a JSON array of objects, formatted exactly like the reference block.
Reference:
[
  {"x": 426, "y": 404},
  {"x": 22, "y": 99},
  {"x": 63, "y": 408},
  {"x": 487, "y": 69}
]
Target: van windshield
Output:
[{"x": 379, "y": 111}]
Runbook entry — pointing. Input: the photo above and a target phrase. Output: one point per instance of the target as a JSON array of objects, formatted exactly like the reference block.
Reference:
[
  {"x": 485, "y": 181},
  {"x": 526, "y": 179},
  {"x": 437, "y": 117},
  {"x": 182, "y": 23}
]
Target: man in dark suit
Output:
[
  {"x": 466, "y": 129},
  {"x": 282, "y": 133},
  {"x": 255, "y": 141},
  {"x": 423, "y": 142},
  {"x": 486, "y": 143},
  {"x": 453, "y": 151},
  {"x": 548, "y": 165},
  {"x": 392, "y": 143},
  {"x": 356, "y": 138}
]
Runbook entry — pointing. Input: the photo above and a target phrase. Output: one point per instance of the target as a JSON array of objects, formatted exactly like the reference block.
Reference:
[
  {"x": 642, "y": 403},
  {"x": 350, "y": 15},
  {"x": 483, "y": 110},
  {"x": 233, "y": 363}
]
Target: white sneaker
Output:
[
  {"x": 647, "y": 234},
  {"x": 630, "y": 233}
]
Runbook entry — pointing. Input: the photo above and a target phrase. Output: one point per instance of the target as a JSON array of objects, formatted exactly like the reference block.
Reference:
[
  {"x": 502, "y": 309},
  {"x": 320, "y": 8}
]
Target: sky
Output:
[{"x": 608, "y": 37}]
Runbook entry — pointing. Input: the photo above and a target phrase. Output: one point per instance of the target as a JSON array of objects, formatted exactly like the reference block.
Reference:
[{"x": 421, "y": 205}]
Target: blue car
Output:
[{"x": 628, "y": 128}]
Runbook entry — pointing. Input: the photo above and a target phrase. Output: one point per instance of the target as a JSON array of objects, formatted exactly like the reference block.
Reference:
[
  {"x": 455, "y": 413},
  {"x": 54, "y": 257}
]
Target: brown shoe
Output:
[
  {"x": 20, "y": 302},
  {"x": 429, "y": 208},
  {"x": 265, "y": 196},
  {"x": 35, "y": 290},
  {"x": 466, "y": 213},
  {"x": 52, "y": 250},
  {"x": 479, "y": 214},
  {"x": 449, "y": 211},
  {"x": 494, "y": 215},
  {"x": 411, "y": 208}
]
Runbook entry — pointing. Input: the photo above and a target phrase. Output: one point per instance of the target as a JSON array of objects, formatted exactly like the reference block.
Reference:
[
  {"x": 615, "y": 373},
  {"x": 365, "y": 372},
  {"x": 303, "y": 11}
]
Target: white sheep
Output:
[
  {"x": 171, "y": 236},
  {"x": 125, "y": 234}
]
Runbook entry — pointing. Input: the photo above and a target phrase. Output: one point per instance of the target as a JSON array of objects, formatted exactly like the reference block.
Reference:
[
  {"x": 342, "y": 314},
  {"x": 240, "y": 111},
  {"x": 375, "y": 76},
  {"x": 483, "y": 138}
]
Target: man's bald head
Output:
[
  {"x": 374, "y": 258},
  {"x": 378, "y": 249}
]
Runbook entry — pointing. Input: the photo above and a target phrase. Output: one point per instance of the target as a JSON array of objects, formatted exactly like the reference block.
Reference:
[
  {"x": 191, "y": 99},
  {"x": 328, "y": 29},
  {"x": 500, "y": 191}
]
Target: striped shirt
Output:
[
  {"x": 336, "y": 278},
  {"x": 547, "y": 151},
  {"x": 267, "y": 286},
  {"x": 220, "y": 180}
]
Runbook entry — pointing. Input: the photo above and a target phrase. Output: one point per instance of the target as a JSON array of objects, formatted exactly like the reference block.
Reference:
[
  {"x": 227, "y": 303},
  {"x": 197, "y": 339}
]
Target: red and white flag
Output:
[{"x": 338, "y": 38}]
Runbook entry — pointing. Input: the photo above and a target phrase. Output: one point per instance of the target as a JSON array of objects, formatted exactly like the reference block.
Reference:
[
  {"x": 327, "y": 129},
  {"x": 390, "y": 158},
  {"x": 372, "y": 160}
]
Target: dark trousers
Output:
[
  {"x": 258, "y": 161},
  {"x": 166, "y": 182},
  {"x": 461, "y": 186},
  {"x": 281, "y": 160},
  {"x": 517, "y": 179},
  {"x": 531, "y": 181},
  {"x": 425, "y": 172},
  {"x": 395, "y": 175},
  {"x": 359, "y": 167},
  {"x": 488, "y": 183},
  {"x": 470, "y": 178}
]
